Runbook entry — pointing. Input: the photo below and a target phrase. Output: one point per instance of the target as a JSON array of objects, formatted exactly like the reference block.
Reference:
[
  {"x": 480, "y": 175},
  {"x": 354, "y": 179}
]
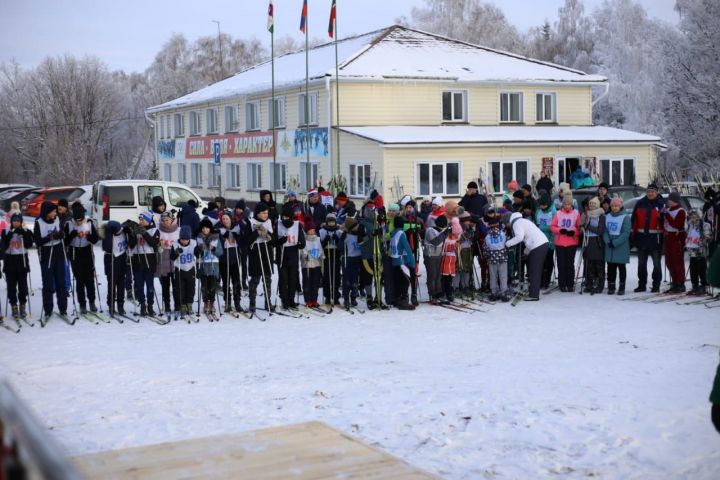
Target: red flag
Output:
[
  {"x": 333, "y": 19},
  {"x": 303, "y": 18},
  {"x": 271, "y": 18}
]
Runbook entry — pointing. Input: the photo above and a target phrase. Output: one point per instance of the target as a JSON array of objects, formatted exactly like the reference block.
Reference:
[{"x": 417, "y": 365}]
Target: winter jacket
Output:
[
  {"x": 157, "y": 202},
  {"x": 433, "y": 244},
  {"x": 312, "y": 255},
  {"x": 699, "y": 234},
  {"x": 260, "y": 248},
  {"x": 272, "y": 206},
  {"x": 16, "y": 243},
  {"x": 289, "y": 243},
  {"x": 188, "y": 216},
  {"x": 400, "y": 251},
  {"x": 617, "y": 230},
  {"x": 47, "y": 236},
  {"x": 318, "y": 211},
  {"x": 544, "y": 219},
  {"x": 80, "y": 240},
  {"x": 143, "y": 244},
  {"x": 231, "y": 240},
  {"x": 167, "y": 237},
  {"x": 545, "y": 183},
  {"x": 674, "y": 223},
  {"x": 647, "y": 223},
  {"x": 564, "y": 220},
  {"x": 210, "y": 252},
  {"x": 594, "y": 245},
  {"x": 525, "y": 231},
  {"x": 473, "y": 203}
]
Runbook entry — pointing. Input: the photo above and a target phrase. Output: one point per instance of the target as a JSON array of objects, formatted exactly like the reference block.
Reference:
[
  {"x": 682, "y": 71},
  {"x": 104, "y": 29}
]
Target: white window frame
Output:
[
  {"x": 179, "y": 121},
  {"x": 233, "y": 176},
  {"x": 167, "y": 172},
  {"x": 314, "y": 173},
  {"x": 196, "y": 175},
  {"x": 195, "y": 125},
  {"x": 464, "y": 113},
  {"x": 182, "y": 173},
  {"x": 553, "y": 113},
  {"x": 314, "y": 110},
  {"x": 358, "y": 188},
  {"x": 231, "y": 119},
  {"x": 252, "y": 116},
  {"x": 522, "y": 106},
  {"x": 282, "y": 176},
  {"x": 254, "y": 172},
  {"x": 621, "y": 160},
  {"x": 213, "y": 175},
  {"x": 211, "y": 120},
  {"x": 280, "y": 107},
  {"x": 504, "y": 181},
  {"x": 431, "y": 164}
]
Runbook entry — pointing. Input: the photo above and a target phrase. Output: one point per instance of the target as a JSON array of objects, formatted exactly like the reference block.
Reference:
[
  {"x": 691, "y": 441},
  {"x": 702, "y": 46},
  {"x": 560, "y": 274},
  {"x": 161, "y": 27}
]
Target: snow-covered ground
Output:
[{"x": 573, "y": 386}]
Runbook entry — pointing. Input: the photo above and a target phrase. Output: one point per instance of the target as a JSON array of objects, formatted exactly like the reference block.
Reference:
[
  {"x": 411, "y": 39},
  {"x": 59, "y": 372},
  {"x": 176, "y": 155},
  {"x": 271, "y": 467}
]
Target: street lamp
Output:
[{"x": 222, "y": 73}]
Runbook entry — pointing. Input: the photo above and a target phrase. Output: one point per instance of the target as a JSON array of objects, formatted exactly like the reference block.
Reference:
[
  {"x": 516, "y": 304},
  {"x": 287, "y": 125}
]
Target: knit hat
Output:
[
  {"x": 212, "y": 206},
  {"x": 489, "y": 207},
  {"x": 206, "y": 223},
  {"x": 564, "y": 187},
  {"x": 438, "y": 201},
  {"x": 674, "y": 197},
  {"x": 312, "y": 193},
  {"x": 261, "y": 207},
  {"x": 399, "y": 222},
  {"x": 393, "y": 207},
  {"x": 78, "y": 211},
  {"x": 287, "y": 211},
  {"x": 350, "y": 223},
  {"x": 513, "y": 185},
  {"x": 405, "y": 200},
  {"x": 330, "y": 217},
  {"x": 518, "y": 194},
  {"x": 341, "y": 196},
  {"x": 185, "y": 232},
  {"x": 147, "y": 216},
  {"x": 165, "y": 215},
  {"x": 544, "y": 199},
  {"x": 291, "y": 194},
  {"x": 594, "y": 202},
  {"x": 568, "y": 199},
  {"x": 527, "y": 187},
  {"x": 472, "y": 185},
  {"x": 240, "y": 204},
  {"x": 308, "y": 223},
  {"x": 653, "y": 186},
  {"x": 603, "y": 185},
  {"x": 63, "y": 203},
  {"x": 616, "y": 202},
  {"x": 16, "y": 217}
]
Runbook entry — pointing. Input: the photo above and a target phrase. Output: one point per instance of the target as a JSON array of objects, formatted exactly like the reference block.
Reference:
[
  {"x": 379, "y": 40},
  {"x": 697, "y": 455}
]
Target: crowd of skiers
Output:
[{"x": 372, "y": 252}]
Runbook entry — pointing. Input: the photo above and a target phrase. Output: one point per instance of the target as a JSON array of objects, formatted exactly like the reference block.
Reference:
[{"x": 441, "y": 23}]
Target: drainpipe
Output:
[
  {"x": 603, "y": 95},
  {"x": 329, "y": 117},
  {"x": 152, "y": 124}
]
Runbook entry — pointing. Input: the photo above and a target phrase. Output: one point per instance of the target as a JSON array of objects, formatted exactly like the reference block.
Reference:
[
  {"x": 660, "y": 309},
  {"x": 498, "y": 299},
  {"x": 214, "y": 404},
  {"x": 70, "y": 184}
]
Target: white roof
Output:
[
  {"x": 391, "y": 53},
  {"x": 459, "y": 134}
]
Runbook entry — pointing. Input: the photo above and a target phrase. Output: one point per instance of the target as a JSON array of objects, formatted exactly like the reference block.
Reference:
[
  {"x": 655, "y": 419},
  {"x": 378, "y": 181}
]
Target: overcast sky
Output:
[{"x": 126, "y": 34}]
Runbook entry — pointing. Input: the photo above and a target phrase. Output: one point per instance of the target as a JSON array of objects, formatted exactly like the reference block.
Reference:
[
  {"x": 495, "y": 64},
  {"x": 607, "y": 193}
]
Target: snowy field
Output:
[{"x": 573, "y": 386}]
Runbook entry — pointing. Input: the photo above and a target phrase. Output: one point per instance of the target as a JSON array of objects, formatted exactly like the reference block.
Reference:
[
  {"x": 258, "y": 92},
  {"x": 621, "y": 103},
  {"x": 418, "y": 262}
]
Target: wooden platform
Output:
[{"x": 305, "y": 451}]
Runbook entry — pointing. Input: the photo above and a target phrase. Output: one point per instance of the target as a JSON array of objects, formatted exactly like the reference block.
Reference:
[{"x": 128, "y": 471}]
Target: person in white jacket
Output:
[{"x": 536, "y": 245}]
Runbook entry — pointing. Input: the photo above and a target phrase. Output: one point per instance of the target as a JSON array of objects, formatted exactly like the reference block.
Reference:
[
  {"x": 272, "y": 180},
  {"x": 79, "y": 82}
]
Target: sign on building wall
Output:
[
  {"x": 548, "y": 166},
  {"x": 171, "y": 149},
  {"x": 317, "y": 142},
  {"x": 239, "y": 145}
]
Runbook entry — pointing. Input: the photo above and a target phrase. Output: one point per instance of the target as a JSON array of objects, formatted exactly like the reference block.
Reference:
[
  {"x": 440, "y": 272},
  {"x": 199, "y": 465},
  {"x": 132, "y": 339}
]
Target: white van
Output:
[{"x": 122, "y": 200}]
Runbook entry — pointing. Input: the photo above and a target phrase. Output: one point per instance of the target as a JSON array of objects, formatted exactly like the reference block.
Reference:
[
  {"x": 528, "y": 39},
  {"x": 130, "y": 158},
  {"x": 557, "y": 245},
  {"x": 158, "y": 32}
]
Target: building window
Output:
[
  {"x": 511, "y": 107},
  {"x": 231, "y": 123},
  {"x": 167, "y": 172},
  {"x": 252, "y": 116},
  {"x": 233, "y": 175},
  {"x": 618, "y": 171},
  {"x": 181, "y": 173},
  {"x": 211, "y": 115},
  {"x": 162, "y": 127},
  {"x": 505, "y": 171},
  {"x": 195, "y": 123},
  {"x": 313, "y": 175},
  {"x": 359, "y": 180},
  {"x": 545, "y": 107},
  {"x": 438, "y": 178},
  {"x": 254, "y": 176},
  {"x": 278, "y": 181},
  {"x": 168, "y": 126},
  {"x": 213, "y": 175},
  {"x": 303, "y": 119},
  {"x": 196, "y": 176},
  {"x": 179, "y": 125},
  {"x": 454, "y": 106},
  {"x": 277, "y": 114}
]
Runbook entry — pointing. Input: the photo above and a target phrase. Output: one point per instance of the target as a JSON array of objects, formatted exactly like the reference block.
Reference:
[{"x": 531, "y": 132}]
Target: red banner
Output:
[{"x": 232, "y": 145}]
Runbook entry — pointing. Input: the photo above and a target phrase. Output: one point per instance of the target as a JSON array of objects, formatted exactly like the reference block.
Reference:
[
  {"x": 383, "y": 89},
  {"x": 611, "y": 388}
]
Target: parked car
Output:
[
  {"x": 31, "y": 204},
  {"x": 13, "y": 196},
  {"x": 14, "y": 186},
  {"x": 122, "y": 200},
  {"x": 626, "y": 192},
  {"x": 688, "y": 202}
]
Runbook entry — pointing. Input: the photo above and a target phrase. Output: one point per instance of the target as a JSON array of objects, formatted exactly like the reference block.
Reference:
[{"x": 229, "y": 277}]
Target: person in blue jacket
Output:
[
  {"x": 617, "y": 244},
  {"x": 543, "y": 219},
  {"x": 402, "y": 256}
]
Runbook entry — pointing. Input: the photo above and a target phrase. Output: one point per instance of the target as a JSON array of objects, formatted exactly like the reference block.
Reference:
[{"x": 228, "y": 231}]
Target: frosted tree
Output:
[
  {"x": 693, "y": 84},
  {"x": 574, "y": 41}
]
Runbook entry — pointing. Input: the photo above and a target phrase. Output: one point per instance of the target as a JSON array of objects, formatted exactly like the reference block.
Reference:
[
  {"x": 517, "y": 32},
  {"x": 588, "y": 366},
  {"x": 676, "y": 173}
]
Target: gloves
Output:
[
  {"x": 127, "y": 230},
  {"x": 226, "y": 235},
  {"x": 564, "y": 231},
  {"x": 58, "y": 234},
  {"x": 73, "y": 234},
  {"x": 179, "y": 251},
  {"x": 571, "y": 233}
]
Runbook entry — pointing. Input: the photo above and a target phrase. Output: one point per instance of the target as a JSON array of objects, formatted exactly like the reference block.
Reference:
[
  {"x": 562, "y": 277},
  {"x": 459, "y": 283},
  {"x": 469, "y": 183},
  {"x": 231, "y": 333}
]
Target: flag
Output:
[
  {"x": 303, "y": 18},
  {"x": 333, "y": 19},
  {"x": 271, "y": 18}
]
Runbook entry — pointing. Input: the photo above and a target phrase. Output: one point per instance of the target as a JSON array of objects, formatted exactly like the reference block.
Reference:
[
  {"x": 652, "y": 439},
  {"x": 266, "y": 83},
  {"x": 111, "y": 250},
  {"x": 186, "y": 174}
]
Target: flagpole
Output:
[
  {"x": 307, "y": 106},
  {"x": 337, "y": 93},
  {"x": 273, "y": 113}
]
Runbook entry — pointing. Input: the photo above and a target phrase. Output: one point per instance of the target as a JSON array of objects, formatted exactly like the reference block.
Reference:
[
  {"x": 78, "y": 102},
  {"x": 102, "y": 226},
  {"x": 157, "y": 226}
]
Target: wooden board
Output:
[{"x": 310, "y": 450}]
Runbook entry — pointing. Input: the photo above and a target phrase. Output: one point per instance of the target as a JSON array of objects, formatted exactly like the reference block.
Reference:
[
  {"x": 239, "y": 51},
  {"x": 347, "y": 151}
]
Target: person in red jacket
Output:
[
  {"x": 647, "y": 220},
  {"x": 674, "y": 241}
]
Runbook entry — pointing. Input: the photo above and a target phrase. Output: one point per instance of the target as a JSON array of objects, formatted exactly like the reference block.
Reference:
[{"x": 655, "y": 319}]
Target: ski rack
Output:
[{"x": 24, "y": 432}]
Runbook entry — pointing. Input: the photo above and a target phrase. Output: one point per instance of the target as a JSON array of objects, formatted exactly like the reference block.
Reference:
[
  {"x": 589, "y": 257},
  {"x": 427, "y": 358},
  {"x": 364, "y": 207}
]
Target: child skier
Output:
[
  {"x": 543, "y": 219},
  {"x": 617, "y": 244},
  {"x": 48, "y": 237},
  {"x": 353, "y": 234},
  {"x": 290, "y": 240},
  {"x": 259, "y": 237},
  {"x": 330, "y": 239},
  {"x": 448, "y": 263},
  {"x": 17, "y": 240},
  {"x": 594, "y": 252},
  {"x": 143, "y": 241},
  {"x": 565, "y": 227},
  {"x": 168, "y": 233},
  {"x": 82, "y": 235},
  {"x": 497, "y": 256},
  {"x": 699, "y": 235},
  {"x": 432, "y": 255},
  {"x": 115, "y": 260},
  {"x": 209, "y": 264},
  {"x": 413, "y": 230},
  {"x": 183, "y": 253},
  {"x": 463, "y": 280},
  {"x": 230, "y": 261},
  {"x": 312, "y": 257},
  {"x": 403, "y": 262},
  {"x": 674, "y": 242},
  {"x": 372, "y": 253}
]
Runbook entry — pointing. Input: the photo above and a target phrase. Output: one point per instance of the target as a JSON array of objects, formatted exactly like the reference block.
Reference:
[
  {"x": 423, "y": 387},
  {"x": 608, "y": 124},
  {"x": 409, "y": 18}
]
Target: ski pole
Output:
[
  {"x": 263, "y": 280},
  {"x": 268, "y": 288},
  {"x": 75, "y": 314},
  {"x": 197, "y": 279}
]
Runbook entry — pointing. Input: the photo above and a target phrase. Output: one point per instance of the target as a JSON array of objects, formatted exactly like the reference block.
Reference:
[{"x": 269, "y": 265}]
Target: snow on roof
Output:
[
  {"x": 459, "y": 134},
  {"x": 390, "y": 53}
]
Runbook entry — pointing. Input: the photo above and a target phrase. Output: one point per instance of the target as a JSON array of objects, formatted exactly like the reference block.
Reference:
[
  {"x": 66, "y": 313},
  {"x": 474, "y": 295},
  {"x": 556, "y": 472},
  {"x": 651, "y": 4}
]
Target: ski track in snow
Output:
[{"x": 573, "y": 386}]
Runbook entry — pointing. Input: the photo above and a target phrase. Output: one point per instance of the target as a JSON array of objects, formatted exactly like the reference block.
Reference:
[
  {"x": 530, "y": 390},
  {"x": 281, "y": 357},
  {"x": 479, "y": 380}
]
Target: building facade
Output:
[{"x": 419, "y": 114}]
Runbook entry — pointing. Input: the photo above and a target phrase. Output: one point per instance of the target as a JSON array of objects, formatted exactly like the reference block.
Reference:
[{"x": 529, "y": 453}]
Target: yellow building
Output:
[{"x": 417, "y": 111}]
